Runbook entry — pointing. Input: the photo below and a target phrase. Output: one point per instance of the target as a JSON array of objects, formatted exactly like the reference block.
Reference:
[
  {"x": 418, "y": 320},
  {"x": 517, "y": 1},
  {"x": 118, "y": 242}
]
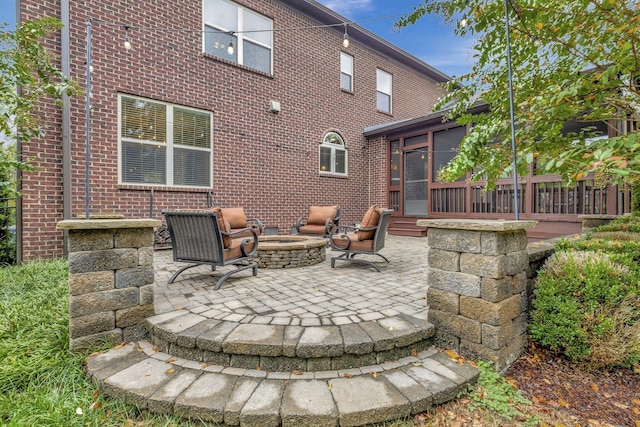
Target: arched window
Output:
[{"x": 333, "y": 155}]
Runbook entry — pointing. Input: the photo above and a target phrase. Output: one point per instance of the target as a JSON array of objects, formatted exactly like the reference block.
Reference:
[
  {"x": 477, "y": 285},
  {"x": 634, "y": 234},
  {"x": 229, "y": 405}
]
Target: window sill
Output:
[
  {"x": 163, "y": 188},
  {"x": 386, "y": 113},
  {"x": 332, "y": 175},
  {"x": 350, "y": 92},
  {"x": 235, "y": 64}
]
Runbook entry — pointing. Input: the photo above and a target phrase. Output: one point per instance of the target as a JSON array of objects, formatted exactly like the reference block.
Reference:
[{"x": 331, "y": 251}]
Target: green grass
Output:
[{"x": 41, "y": 382}]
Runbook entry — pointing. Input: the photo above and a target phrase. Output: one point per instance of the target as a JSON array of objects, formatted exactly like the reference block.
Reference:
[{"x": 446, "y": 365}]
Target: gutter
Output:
[{"x": 66, "y": 116}]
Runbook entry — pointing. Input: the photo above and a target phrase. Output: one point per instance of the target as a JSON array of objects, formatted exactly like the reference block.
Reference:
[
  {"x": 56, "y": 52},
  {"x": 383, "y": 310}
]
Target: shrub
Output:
[
  {"x": 635, "y": 199},
  {"x": 627, "y": 223},
  {"x": 494, "y": 393},
  {"x": 587, "y": 306},
  {"x": 621, "y": 251},
  {"x": 615, "y": 235}
]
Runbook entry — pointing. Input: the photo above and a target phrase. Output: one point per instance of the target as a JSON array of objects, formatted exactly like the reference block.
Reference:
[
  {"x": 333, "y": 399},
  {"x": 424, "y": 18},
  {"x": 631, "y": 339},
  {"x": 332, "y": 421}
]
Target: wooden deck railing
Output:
[{"x": 540, "y": 197}]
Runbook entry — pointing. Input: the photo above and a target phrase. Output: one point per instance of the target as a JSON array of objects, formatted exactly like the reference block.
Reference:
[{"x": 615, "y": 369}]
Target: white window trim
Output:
[
  {"x": 342, "y": 55},
  {"x": 169, "y": 143},
  {"x": 333, "y": 156},
  {"x": 240, "y": 36}
]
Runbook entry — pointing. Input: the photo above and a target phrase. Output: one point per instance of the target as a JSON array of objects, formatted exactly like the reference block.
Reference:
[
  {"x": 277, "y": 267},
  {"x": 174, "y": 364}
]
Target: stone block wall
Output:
[
  {"x": 111, "y": 278},
  {"x": 595, "y": 220},
  {"x": 290, "y": 259},
  {"x": 477, "y": 287},
  {"x": 538, "y": 254}
]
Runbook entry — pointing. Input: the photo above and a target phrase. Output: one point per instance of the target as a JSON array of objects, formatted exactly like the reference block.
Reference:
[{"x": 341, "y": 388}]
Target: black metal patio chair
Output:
[
  {"x": 201, "y": 237},
  {"x": 364, "y": 239}
]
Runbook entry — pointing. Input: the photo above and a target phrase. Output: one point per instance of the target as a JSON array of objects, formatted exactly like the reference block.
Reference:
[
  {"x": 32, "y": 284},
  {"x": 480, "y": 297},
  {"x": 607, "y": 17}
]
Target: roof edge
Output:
[
  {"x": 318, "y": 12},
  {"x": 406, "y": 125}
]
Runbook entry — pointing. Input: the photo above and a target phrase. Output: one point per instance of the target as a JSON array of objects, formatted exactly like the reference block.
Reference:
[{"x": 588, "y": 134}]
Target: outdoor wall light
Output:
[
  {"x": 230, "y": 49},
  {"x": 345, "y": 39},
  {"x": 127, "y": 43}
]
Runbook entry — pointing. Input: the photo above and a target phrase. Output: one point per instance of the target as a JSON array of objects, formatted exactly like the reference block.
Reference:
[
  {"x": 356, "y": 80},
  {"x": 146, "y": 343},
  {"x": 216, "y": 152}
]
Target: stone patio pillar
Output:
[
  {"x": 595, "y": 220},
  {"x": 111, "y": 279},
  {"x": 476, "y": 287}
]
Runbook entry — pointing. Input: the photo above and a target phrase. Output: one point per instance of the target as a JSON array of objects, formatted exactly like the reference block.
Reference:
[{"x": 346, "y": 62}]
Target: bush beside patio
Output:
[{"x": 587, "y": 301}]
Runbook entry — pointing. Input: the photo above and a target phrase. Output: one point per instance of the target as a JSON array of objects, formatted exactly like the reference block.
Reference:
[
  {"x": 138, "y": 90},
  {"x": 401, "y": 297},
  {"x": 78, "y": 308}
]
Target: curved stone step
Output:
[
  {"x": 288, "y": 348},
  {"x": 162, "y": 383}
]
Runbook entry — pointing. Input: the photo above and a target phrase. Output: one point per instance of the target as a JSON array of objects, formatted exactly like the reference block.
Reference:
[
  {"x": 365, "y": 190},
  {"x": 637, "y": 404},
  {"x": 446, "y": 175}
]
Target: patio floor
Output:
[{"x": 309, "y": 296}]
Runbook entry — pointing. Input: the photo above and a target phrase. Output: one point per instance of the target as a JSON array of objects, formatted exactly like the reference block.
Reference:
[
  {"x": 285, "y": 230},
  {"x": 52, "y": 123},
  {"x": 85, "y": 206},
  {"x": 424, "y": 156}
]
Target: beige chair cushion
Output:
[
  {"x": 312, "y": 229},
  {"x": 222, "y": 224},
  {"x": 371, "y": 219},
  {"x": 318, "y": 215},
  {"x": 234, "y": 251},
  {"x": 353, "y": 242},
  {"x": 235, "y": 217}
]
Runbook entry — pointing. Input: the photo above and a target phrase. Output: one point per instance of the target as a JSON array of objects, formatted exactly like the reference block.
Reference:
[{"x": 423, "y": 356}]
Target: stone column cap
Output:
[
  {"x": 105, "y": 224},
  {"x": 598, "y": 216},
  {"x": 477, "y": 224}
]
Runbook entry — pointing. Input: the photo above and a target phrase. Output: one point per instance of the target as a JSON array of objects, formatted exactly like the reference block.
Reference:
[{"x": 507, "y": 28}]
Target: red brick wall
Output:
[{"x": 266, "y": 162}]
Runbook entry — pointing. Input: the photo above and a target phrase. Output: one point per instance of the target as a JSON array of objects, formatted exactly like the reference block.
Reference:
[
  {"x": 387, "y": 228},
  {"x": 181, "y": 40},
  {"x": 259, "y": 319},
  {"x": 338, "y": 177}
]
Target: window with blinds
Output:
[{"x": 164, "y": 144}]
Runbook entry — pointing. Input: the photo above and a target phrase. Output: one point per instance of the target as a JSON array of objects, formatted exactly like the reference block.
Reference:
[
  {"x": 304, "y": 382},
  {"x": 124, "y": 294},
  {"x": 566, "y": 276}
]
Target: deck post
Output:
[
  {"x": 111, "y": 278},
  {"x": 477, "y": 287}
]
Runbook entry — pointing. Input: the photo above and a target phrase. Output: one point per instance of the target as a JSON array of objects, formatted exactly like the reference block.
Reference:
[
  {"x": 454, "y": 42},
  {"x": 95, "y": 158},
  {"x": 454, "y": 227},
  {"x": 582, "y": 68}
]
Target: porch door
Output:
[{"x": 416, "y": 168}]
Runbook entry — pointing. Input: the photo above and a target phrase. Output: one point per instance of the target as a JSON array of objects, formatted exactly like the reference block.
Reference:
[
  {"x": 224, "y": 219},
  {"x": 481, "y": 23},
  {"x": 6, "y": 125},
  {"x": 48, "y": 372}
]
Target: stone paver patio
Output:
[
  {"x": 310, "y": 346},
  {"x": 310, "y": 296}
]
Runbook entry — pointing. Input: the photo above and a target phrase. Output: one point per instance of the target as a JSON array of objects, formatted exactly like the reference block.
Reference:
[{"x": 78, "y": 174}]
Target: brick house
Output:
[{"x": 274, "y": 125}]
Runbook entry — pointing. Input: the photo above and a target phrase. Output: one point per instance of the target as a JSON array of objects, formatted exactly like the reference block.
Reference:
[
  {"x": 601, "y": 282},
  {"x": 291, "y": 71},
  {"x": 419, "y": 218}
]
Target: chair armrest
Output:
[
  {"x": 336, "y": 231},
  {"x": 346, "y": 228},
  {"x": 329, "y": 224},
  {"x": 366, "y": 229},
  {"x": 300, "y": 222},
  {"x": 256, "y": 224},
  {"x": 245, "y": 241}
]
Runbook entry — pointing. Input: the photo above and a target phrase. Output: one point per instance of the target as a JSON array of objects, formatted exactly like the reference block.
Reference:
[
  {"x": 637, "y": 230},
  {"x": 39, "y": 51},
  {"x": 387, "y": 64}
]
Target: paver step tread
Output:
[
  {"x": 163, "y": 383},
  {"x": 279, "y": 347}
]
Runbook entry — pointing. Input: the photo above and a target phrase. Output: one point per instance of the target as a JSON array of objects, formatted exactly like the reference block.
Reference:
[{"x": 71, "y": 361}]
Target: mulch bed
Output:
[{"x": 591, "y": 398}]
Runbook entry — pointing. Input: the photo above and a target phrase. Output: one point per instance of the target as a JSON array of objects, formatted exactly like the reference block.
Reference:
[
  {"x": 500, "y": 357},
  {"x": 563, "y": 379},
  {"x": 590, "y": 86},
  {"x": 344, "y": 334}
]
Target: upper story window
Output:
[
  {"x": 250, "y": 34},
  {"x": 346, "y": 72},
  {"x": 333, "y": 155},
  {"x": 164, "y": 144},
  {"x": 384, "y": 85}
]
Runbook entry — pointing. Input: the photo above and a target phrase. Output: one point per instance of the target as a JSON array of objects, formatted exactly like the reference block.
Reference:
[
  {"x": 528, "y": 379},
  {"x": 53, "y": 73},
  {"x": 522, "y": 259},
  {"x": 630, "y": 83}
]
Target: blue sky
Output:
[
  {"x": 429, "y": 39},
  {"x": 8, "y": 12}
]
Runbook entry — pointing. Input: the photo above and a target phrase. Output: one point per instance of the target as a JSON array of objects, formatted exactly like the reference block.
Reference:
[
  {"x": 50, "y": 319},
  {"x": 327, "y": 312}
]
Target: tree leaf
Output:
[{"x": 452, "y": 354}]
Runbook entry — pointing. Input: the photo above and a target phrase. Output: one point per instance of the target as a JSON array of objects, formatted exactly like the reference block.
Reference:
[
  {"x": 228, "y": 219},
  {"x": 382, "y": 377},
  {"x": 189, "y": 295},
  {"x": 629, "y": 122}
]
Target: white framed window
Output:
[
  {"x": 333, "y": 155},
  {"x": 164, "y": 144},
  {"x": 250, "y": 34},
  {"x": 383, "y": 90},
  {"x": 346, "y": 72}
]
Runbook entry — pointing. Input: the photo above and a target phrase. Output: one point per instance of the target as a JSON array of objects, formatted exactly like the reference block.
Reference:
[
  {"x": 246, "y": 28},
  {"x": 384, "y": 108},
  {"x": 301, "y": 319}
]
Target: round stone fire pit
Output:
[{"x": 290, "y": 251}]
